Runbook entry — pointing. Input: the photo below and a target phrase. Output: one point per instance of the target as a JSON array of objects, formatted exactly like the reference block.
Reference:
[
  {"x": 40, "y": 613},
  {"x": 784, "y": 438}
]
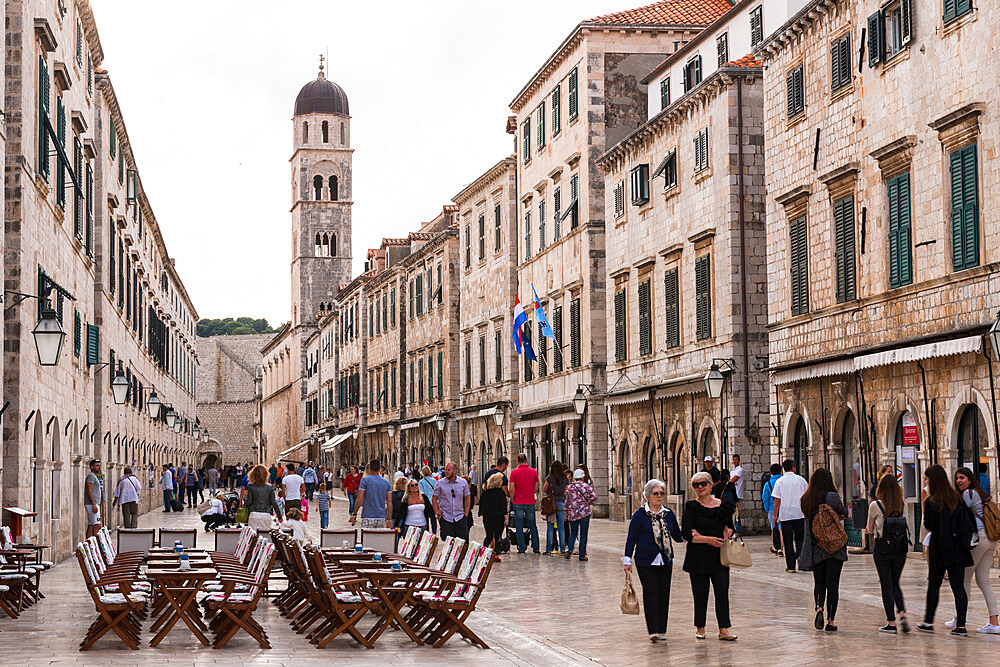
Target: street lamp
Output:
[
  {"x": 391, "y": 430},
  {"x": 580, "y": 398},
  {"x": 714, "y": 380},
  {"x": 177, "y": 424},
  {"x": 119, "y": 386},
  {"x": 153, "y": 405},
  {"x": 171, "y": 417},
  {"x": 196, "y": 431},
  {"x": 356, "y": 432},
  {"x": 439, "y": 421},
  {"x": 204, "y": 435},
  {"x": 498, "y": 416},
  {"x": 995, "y": 338},
  {"x": 48, "y": 334}
]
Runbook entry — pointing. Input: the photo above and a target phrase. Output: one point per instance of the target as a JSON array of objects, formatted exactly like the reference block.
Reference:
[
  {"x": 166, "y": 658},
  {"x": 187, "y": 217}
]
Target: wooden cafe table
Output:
[
  {"x": 180, "y": 589},
  {"x": 394, "y": 590}
]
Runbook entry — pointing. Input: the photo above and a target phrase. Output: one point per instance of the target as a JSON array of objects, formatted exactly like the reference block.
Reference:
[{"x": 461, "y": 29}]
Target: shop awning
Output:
[
  {"x": 288, "y": 451},
  {"x": 429, "y": 420},
  {"x": 945, "y": 348},
  {"x": 489, "y": 412},
  {"x": 842, "y": 367},
  {"x": 330, "y": 444},
  {"x": 408, "y": 425},
  {"x": 551, "y": 420},
  {"x": 627, "y": 398}
]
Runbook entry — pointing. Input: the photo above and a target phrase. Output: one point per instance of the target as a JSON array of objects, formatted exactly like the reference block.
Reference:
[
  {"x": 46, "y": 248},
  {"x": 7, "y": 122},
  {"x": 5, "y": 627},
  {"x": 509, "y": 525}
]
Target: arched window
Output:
[
  {"x": 326, "y": 132},
  {"x": 853, "y": 482},
  {"x": 318, "y": 249},
  {"x": 332, "y": 249},
  {"x": 650, "y": 460},
  {"x": 708, "y": 445},
  {"x": 324, "y": 248},
  {"x": 317, "y": 187},
  {"x": 334, "y": 193},
  {"x": 343, "y": 133},
  {"x": 971, "y": 429},
  {"x": 800, "y": 443},
  {"x": 680, "y": 465},
  {"x": 305, "y": 132},
  {"x": 625, "y": 471}
]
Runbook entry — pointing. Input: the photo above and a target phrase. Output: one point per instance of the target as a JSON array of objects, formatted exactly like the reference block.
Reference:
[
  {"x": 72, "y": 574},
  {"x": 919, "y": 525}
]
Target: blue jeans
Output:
[
  {"x": 350, "y": 501},
  {"x": 523, "y": 514},
  {"x": 167, "y": 495},
  {"x": 581, "y": 526},
  {"x": 555, "y": 535},
  {"x": 310, "y": 487},
  {"x": 324, "y": 518}
]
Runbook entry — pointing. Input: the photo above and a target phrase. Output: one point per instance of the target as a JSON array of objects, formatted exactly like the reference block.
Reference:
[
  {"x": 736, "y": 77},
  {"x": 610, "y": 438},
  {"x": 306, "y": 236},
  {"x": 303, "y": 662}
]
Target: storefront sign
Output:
[
  {"x": 908, "y": 454},
  {"x": 911, "y": 436}
]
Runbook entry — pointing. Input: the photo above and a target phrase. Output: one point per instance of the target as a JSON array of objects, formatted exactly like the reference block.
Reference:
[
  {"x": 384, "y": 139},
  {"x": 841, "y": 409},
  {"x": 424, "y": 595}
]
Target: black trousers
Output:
[
  {"x": 792, "y": 533},
  {"x": 720, "y": 585},
  {"x": 776, "y": 537},
  {"x": 655, "y": 581},
  {"x": 956, "y": 578},
  {"x": 213, "y": 520},
  {"x": 494, "y": 530},
  {"x": 192, "y": 494},
  {"x": 826, "y": 585},
  {"x": 458, "y": 528},
  {"x": 889, "y": 571}
]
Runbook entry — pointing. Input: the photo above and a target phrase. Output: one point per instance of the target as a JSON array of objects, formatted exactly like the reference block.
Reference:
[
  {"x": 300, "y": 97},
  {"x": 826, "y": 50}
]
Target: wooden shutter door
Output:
[
  {"x": 574, "y": 333},
  {"x": 620, "y": 325},
  {"x": 970, "y": 207},
  {"x": 671, "y": 311},
  {"x": 703, "y": 298},
  {"x": 645, "y": 342}
]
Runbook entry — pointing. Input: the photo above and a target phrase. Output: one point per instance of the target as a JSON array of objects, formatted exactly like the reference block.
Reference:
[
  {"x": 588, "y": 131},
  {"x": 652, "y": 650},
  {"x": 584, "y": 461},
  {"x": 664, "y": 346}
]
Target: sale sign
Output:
[{"x": 911, "y": 436}]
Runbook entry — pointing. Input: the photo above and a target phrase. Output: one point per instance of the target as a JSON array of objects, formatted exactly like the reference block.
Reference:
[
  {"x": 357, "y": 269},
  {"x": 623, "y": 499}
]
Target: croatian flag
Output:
[
  {"x": 520, "y": 319},
  {"x": 540, "y": 316}
]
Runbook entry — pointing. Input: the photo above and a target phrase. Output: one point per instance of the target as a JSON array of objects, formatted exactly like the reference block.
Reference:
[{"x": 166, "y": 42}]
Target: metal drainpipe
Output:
[
  {"x": 931, "y": 434},
  {"x": 743, "y": 256}
]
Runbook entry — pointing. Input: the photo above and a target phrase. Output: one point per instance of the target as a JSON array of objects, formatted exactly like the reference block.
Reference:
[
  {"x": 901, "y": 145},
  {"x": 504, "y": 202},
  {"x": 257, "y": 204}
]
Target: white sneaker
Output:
[
  {"x": 989, "y": 629},
  {"x": 951, "y": 624}
]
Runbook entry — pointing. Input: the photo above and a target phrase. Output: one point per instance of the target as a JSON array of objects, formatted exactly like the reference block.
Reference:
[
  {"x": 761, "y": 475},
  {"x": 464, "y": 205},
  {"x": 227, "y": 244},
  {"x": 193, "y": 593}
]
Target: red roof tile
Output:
[
  {"x": 746, "y": 61},
  {"x": 669, "y": 12}
]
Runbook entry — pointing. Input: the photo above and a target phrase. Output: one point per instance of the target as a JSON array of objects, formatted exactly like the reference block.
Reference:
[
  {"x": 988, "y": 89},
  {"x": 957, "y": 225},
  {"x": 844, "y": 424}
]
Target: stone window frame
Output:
[{"x": 957, "y": 129}]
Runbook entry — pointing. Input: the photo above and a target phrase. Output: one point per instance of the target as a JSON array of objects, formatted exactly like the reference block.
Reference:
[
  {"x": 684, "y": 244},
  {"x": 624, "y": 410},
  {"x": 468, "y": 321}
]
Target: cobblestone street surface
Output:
[{"x": 544, "y": 610}]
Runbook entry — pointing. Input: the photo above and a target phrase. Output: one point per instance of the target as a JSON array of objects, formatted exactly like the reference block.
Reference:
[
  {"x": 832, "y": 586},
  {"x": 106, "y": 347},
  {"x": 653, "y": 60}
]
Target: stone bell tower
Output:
[{"x": 321, "y": 197}]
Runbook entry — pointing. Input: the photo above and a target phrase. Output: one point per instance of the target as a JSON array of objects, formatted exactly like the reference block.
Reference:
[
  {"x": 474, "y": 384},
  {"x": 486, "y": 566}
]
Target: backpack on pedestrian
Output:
[
  {"x": 991, "y": 520},
  {"x": 895, "y": 537},
  {"x": 827, "y": 530}
]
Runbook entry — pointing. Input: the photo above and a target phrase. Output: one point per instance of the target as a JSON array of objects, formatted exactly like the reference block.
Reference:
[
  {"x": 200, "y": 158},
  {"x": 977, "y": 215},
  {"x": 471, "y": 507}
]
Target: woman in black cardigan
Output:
[
  {"x": 707, "y": 522},
  {"x": 650, "y": 532}
]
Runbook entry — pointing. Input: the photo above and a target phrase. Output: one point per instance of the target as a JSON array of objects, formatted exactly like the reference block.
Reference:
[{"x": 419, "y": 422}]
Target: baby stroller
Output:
[{"x": 509, "y": 541}]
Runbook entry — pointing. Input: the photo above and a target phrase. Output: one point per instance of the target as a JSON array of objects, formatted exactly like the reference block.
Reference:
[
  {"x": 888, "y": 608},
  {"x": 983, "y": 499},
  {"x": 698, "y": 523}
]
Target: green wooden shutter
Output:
[
  {"x": 60, "y": 165},
  {"x": 93, "y": 344},
  {"x": 620, "y": 350},
  {"x": 703, "y": 297},
  {"x": 557, "y": 329},
  {"x": 541, "y": 125},
  {"x": 798, "y": 265},
  {"x": 574, "y": 333},
  {"x": 964, "y": 208},
  {"x": 111, "y": 257},
  {"x": 526, "y": 338},
  {"x": 906, "y": 21},
  {"x": 574, "y": 107},
  {"x": 556, "y": 111},
  {"x": 89, "y": 210},
  {"x": 419, "y": 297},
  {"x": 526, "y": 139},
  {"x": 900, "y": 243},
  {"x": 756, "y": 26},
  {"x": 112, "y": 140},
  {"x": 671, "y": 309},
  {"x": 843, "y": 216},
  {"x": 645, "y": 319},
  {"x": 722, "y": 48},
  {"x": 542, "y": 352},
  {"x": 498, "y": 355},
  {"x": 43, "y": 112},
  {"x": 482, "y": 361},
  {"x": 430, "y": 376},
  {"x": 78, "y": 195},
  {"x": 527, "y": 235},
  {"x": 410, "y": 294},
  {"x": 875, "y": 40},
  {"x": 77, "y": 333},
  {"x": 440, "y": 374}
]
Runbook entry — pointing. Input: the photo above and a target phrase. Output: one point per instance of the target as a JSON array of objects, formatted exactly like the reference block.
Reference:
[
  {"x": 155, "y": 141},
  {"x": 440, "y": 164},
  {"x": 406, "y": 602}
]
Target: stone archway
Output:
[{"x": 210, "y": 453}]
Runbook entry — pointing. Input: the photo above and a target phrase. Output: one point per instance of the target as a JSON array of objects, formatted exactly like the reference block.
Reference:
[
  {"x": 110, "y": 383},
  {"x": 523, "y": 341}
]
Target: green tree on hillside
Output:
[{"x": 228, "y": 326}]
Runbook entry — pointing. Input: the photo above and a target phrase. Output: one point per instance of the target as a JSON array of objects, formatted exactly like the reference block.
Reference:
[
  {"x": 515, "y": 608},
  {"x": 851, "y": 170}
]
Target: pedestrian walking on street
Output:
[
  {"x": 167, "y": 484},
  {"x": 649, "y": 546},
  {"x": 452, "y": 500},
  {"x": 975, "y": 498},
  {"x": 825, "y": 566},
  {"x": 202, "y": 483},
  {"x": 765, "y": 495},
  {"x": 523, "y": 487},
  {"x": 398, "y": 491},
  {"x": 192, "y": 487},
  {"x": 427, "y": 483},
  {"x": 555, "y": 486},
  {"x": 310, "y": 478},
  {"x": 127, "y": 496},
  {"x": 493, "y": 509},
  {"x": 351, "y": 483},
  {"x": 93, "y": 494},
  {"x": 415, "y": 509},
  {"x": 213, "y": 480},
  {"x": 374, "y": 498},
  {"x": 889, "y": 552},
  {"x": 579, "y": 497},
  {"x": 951, "y": 526},
  {"x": 260, "y": 500},
  {"x": 323, "y": 504},
  {"x": 711, "y": 469},
  {"x": 706, "y": 524},
  {"x": 501, "y": 467},
  {"x": 787, "y": 494},
  {"x": 291, "y": 485},
  {"x": 180, "y": 481}
]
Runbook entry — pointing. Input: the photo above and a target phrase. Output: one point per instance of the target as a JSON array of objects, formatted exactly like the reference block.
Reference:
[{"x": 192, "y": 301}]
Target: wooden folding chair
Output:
[
  {"x": 237, "y": 608},
  {"x": 454, "y": 602},
  {"x": 343, "y": 601},
  {"x": 379, "y": 539},
  {"x": 187, "y": 536},
  {"x": 334, "y": 537},
  {"x": 7, "y": 543},
  {"x": 121, "y": 612},
  {"x": 136, "y": 539}
]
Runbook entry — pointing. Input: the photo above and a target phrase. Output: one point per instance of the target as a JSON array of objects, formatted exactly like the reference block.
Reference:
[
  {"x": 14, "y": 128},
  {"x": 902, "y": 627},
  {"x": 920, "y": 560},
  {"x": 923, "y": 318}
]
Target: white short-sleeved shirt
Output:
[
  {"x": 738, "y": 471},
  {"x": 293, "y": 485},
  {"x": 789, "y": 488}
]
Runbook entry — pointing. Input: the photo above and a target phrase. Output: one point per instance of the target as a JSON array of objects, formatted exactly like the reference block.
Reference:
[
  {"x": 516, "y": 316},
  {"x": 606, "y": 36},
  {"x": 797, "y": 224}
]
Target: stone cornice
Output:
[
  {"x": 481, "y": 184},
  {"x": 952, "y": 118},
  {"x": 90, "y": 31},
  {"x": 793, "y": 27}
]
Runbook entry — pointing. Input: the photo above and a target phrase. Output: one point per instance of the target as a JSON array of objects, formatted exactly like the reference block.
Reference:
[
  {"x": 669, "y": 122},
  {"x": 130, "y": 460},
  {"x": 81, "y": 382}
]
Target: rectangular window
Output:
[
  {"x": 964, "y": 208},
  {"x": 574, "y": 107},
  {"x": 621, "y": 343},
  {"x": 419, "y": 296},
  {"x": 556, "y": 214},
  {"x": 112, "y": 140},
  {"x": 840, "y": 63},
  {"x": 574, "y": 333},
  {"x": 78, "y": 193},
  {"x": 482, "y": 237},
  {"x": 498, "y": 355},
  {"x": 440, "y": 292},
  {"x": 896, "y": 26},
  {"x": 392, "y": 308},
  {"x": 955, "y": 8},
  {"x": 703, "y": 297},
  {"x": 574, "y": 198},
  {"x": 756, "y": 25},
  {"x": 701, "y": 150},
  {"x": 430, "y": 290},
  {"x": 542, "y": 352},
  {"x": 89, "y": 211},
  {"x": 527, "y": 235},
  {"x": 665, "y": 93},
  {"x": 392, "y": 386},
  {"x": 619, "y": 199},
  {"x": 692, "y": 73},
  {"x": 798, "y": 238},
  {"x": 111, "y": 257},
  {"x": 43, "y": 113},
  {"x": 526, "y": 338},
  {"x": 557, "y": 331},
  {"x": 497, "y": 236},
  {"x": 671, "y": 309},
  {"x": 440, "y": 374},
  {"x": 540, "y": 121},
  {"x": 468, "y": 247},
  {"x": 556, "y": 111},
  {"x": 468, "y": 364},
  {"x": 640, "y": 184},
  {"x": 526, "y": 140},
  {"x": 482, "y": 360},
  {"x": 645, "y": 319},
  {"x": 722, "y": 48},
  {"x": 900, "y": 238},
  {"x": 843, "y": 220},
  {"x": 795, "y": 92},
  {"x": 541, "y": 225},
  {"x": 430, "y": 376},
  {"x": 77, "y": 333},
  {"x": 60, "y": 165},
  {"x": 420, "y": 379}
]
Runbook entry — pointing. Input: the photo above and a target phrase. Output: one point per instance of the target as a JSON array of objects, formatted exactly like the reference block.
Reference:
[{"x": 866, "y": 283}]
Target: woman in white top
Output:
[
  {"x": 293, "y": 522},
  {"x": 974, "y": 496},
  {"x": 414, "y": 507},
  {"x": 215, "y": 514},
  {"x": 127, "y": 496}
]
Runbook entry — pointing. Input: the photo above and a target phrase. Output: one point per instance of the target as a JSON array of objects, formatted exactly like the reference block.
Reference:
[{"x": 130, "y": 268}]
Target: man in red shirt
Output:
[{"x": 524, "y": 492}]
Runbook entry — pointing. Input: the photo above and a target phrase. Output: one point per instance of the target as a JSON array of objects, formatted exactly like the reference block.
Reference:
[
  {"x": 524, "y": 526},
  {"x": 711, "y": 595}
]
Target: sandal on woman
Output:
[
  {"x": 727, "y": 638},
  {"x": 699, "y": 635}
]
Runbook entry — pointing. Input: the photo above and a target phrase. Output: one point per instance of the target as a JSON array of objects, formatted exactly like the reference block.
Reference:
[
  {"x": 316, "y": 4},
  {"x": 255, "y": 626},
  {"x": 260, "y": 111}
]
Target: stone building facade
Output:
[
  {"x": 229, "y": 389},
  {"x": 80, "y": 229},
  {"x": 281, "y": 394},
  {"x": 882, "y": 272},
  {"x": 489, "y": 369},
  {"x": 583, "y": 99}
]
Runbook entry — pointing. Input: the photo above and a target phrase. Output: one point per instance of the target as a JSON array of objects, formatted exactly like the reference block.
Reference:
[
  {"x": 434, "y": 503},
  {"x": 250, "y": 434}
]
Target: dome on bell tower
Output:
[{"x": 321, "y": 96}]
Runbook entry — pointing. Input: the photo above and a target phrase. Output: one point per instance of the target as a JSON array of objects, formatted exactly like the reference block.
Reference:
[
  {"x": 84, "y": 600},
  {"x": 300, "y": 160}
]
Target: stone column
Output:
[{"x": 596, "y": 421}]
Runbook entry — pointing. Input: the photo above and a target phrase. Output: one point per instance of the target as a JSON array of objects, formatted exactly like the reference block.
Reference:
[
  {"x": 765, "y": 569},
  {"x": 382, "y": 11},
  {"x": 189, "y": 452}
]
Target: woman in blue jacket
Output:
[{"x": 650, "y": 532}]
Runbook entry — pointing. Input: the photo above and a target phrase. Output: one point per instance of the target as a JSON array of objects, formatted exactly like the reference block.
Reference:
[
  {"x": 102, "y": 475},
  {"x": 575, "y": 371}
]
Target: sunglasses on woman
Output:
[{"x": 700, "y": 484}]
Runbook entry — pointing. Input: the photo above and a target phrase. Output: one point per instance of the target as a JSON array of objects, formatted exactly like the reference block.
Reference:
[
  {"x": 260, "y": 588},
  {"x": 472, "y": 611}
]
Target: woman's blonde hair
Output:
[
  {"x": 701, "y": 476},
  {"x": 425, "y": 471},
  {"x": 293, "y": 513},
  {"x": 258, "y": 475},
  {"x": 400, "y": 484},
  {"x": 495, "y": 481}
]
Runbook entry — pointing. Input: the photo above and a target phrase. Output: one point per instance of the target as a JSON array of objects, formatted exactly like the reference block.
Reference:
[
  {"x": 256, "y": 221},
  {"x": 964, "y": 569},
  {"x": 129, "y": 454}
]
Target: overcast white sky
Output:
[{"x": 207, "y": 90}]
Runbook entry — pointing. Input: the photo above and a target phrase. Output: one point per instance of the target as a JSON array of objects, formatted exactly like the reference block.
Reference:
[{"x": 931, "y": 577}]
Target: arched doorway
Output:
[
  {"x": 625, "y": 475},
  {"x": 680, "y": 466},
  {"x": 800, "y": 445},
  {"x": 971, "y": 433},
  {"x": 852, "y": 481},
  {"x": 210, "y": 461},
  {"x": 709, "y": 446},
  {"x": 651, "y": 467}
]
